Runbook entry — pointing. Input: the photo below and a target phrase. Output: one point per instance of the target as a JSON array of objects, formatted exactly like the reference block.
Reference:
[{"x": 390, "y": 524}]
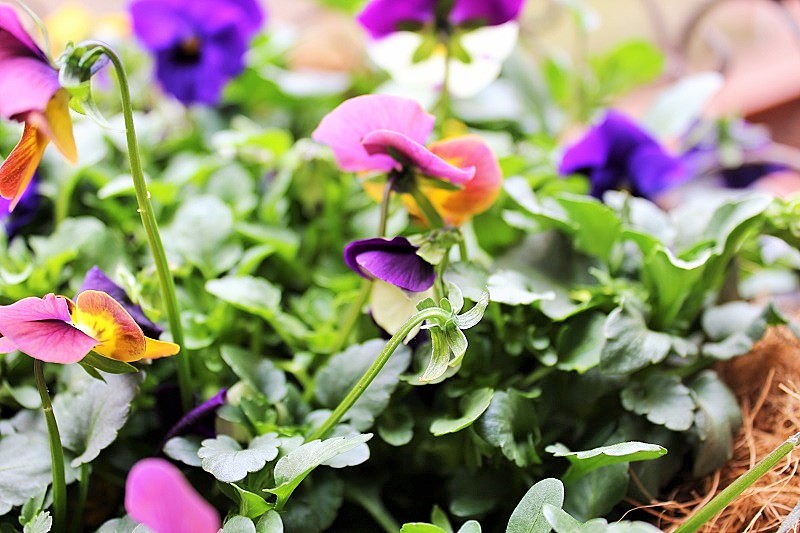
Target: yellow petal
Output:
[
  {"x": 17, "y": 170},
  {"x": 103, "y": 318},
  {"x": 60, "y": 124},
  {"x": 155, "y": 348}
]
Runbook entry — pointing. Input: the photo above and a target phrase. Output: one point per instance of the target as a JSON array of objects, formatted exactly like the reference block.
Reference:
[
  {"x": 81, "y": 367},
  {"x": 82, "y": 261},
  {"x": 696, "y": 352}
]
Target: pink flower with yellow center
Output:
[
  {"x": 29, "y": 93},
  {"x": 54, "y": 329}
]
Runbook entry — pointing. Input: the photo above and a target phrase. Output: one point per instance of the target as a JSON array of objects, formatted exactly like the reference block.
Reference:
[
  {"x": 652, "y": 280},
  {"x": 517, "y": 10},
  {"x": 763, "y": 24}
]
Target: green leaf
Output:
[
  {"x": 595, "y": 227},
  {"x": 627, "y": 66},
  {"x": 184, "y": 449},
  {"x": 315, "y": 505},
  {"x": 250, "y": 505},
  {"x": 681, "y": 104},
  {"x": 511, "y": 424},
  {"x": 421, "y": 527},
  {"x": 562, "y": 522},
  {"x": 586, "y": 461},
  {"x": 514, "y": 288},
  {"x": 528, "y": 515},
  {"x": 335, "y": 379},
  {"x": 735, "y": 326},
  {"x": 473, "y": 405},
  {"x": 270, "y": 523},
  {"x": 90, "y": 418},
  {"x": 440, "y": 356},
  {"x": 24, "y": 468},
  {"x": 396, "y": 426},
  {"x": 439, "y": 518},
  {"x": 630, "y": 345},
  {"x": 225, "y": 459},
  {"x": 239, "y": 524},
  {"x": 297, "y": 464},
  {"x": 663, "y": 399},
  {"x": 41, "y": 523},
  {"x": 106, "y": 364},
  {"x": 596, "y": 493},
  {"x": 470, "y": 526},
  {"x": 254, "y": 295},
  {"x": 257, "y": 371},
  {"x": 717, "y": 418},
  {"x": 580, "y": 342}
]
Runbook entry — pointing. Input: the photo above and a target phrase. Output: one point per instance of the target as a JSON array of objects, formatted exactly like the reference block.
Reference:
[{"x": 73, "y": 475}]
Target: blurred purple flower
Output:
[
  {"x": 384, "y": 17},
  {"x": 616, "y": 153},
  {"x": 25, "y": 211},
  {"x": 735, "y": 151},
  {"x": 200, "y": 420},
  {"x": 393, "y": 261},
  {"x": 198, "y": 44},
  {"x": 97, "y": 280},
  {"x": 158, "y": 496}
]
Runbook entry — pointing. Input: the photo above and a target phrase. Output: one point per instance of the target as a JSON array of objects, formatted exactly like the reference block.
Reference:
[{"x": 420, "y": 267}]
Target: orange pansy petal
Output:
[
  {"x": 17, "y": 170},
  {"x": 97, "y": 314},
  {"x": 60, "y": 124},
  {"x": 155, "y": 348}
]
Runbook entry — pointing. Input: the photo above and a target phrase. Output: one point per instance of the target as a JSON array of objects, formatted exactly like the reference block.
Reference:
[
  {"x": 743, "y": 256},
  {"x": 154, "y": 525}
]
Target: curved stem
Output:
[
  {"x": 351, "y": 318},
  {"x": 721, "y": 500},
  {"x": 431, "y": 215},
  {"x": 359, "y": 388},
  {"x": 150, "y": 224},
  {"x": 56, "y": 451}
]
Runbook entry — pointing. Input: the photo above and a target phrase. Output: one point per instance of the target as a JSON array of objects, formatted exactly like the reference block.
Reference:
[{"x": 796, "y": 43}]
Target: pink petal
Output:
[
  {"x": 6, "y": 346},
  {"x": 158, "y": 496},
  {"x": 41, "y": 328},
  {"x": 26, "y": 84},
  {"x": 14, "y": 40},
  {"x": 345, "y": 127},
  {"x": 412, "y": 152}
]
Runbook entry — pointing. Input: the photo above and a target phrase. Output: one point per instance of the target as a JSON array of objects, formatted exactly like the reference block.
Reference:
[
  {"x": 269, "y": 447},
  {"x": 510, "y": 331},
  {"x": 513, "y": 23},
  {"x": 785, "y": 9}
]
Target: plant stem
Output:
[
  {"x": 359, "y": 388},
  {"x": 387, "y": 195},
  {"x": 351, "y": 318},
  {"x": 431, "y": 215},
  {"x": 83, "y": 491},
  {"x": 56, "y": 451},
  {"x": 443, "y": 105},
  {"x": 721, "y": 500},
  {"x": 165, "y": 280}
]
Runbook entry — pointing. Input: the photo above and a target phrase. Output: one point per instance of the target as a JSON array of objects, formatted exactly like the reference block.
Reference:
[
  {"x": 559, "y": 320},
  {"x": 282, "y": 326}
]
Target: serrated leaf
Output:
[
  {"x": 663, "y": 399},
  {"x": 511, "y": 424},
  {"x": 41, "y": 523},
  {"x": 630, "y": 345},
  {"x": 717, "y": 418},
  {"x": 585, "y": 461},
  {"x": 342, "y": 371},
  {"x": 256, "y": 370},
  {"x": 90, "y": 419},
  {"x": 528, "y": 515},
  {"x": 225, "y": 459},
  {"x": 184, "y": 449},
  {"x": 24, "y": 468},
  {"x": 735, "y": 327},
  {"x": 474, "y": 405},
  {"x": 297, "y": 464}
]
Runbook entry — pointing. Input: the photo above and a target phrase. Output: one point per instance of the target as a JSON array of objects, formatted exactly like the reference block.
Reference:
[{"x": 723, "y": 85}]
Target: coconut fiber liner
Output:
[{"x": 767, "y": 384}]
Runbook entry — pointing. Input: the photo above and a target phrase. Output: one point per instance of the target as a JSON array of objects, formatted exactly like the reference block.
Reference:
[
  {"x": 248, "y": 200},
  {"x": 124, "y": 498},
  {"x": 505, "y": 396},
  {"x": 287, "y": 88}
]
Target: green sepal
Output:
[{"x": 106, "y": 364}]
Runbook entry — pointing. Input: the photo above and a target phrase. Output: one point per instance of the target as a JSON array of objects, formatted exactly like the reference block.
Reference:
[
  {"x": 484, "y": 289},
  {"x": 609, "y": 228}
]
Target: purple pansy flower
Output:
[
  {"x": 97, "y": 280},
  {"x": 200, "y": 420},
  {"x": 393, "y": 261},
  {"x": 25, "y": 211},
  {"x": 385, "y": 133},
  {"x": 159, "y": 496},
  {"x": 384, "y": 17},
  {"x": 198, "y": 44},
  {"x": 616, "y": 153}
]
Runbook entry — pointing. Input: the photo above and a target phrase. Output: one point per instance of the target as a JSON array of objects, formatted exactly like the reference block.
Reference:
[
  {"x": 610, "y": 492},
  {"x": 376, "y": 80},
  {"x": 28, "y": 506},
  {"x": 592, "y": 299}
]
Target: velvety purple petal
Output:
[
  {"x": 393, "y": 261},
  {"x": 23, "y": 213},
  {"x": 382, "y": 17},
  {"x": 159, "y": 24},
  {"x": 96, "y": 280},
  {"x": 411, "y": 153},
  {"x": 484, "y": 12},
  {"x": 158, "y": 496},
  {"x": 200, "y": 420},
  {"x": 212, "y": 16},
  {"x": 26, "y": 84},
  {"x": 345, "y": 127},
  {"x": 41, "y": 328},
  {"x": 14, "y": 40},
  {"x": 653, "y": 171},
  {"x": 746, "y": 175}
]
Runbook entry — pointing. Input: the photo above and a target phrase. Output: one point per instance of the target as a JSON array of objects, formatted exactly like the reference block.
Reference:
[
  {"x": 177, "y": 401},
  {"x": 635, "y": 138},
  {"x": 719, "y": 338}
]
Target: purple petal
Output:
[
  {"x": 484, "y": 12},
  {"x": 14, "y": 40},
  {"x": 653, "y": 171},
  {"x": 26, "y": 84},
  {"x": 411, "y": 153},
  {"x": 158, "y": 496},
  {"x": 96, "y": 280},
  {"x": 345, "y": 127},
  {"x": 200, "y": 418},
  {"x": 42, "y": 328},
  {"x": 393, "y": 261},
  {"x": 746, "y": 175},
  {"x": 25, "y": 211},
  {"x": 159, "y": 24},
  {"x": 382, "y": 17}
]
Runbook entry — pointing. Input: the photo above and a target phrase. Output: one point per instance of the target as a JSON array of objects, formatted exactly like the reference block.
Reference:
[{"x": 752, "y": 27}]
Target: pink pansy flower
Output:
[
  {"x": 158, "y": 496},
  {"x": 29, "y": 93},
  {"x": 54, "y": 329},
  {"x": 382, "y": 133}
]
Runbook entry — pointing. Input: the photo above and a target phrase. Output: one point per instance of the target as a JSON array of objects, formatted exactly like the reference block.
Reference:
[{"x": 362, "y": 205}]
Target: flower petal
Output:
[
  {"x": 393, "y": 261},
  {"x": 344, "y": 128},
  {"x": 60, "y": 125},
  {"x": 484, "y": 12},
  {"x": 14, "y": 40},
  {"x": 6, "y": 346},
  {"x": 17, "y": 170},
  {"x": 480, "y": 192},
  {"x": 41, "y": 328},
  {"x": 158, "y": 496},
  {"x": 382, "y": 17},
  {"x": 26, "y": 84},
  {"x": 391, "y": 307},
  {"x": 199, "y": 420},
  {"x": 155, "y": 349},
  {"x": 102, "y": 317},
  {"x": 411, "y": 153},
  {"x": 158, "y": 24}
]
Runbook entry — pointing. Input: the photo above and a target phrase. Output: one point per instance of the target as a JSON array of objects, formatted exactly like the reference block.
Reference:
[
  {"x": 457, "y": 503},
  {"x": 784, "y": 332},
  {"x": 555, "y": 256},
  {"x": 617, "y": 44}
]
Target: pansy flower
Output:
[
  {"x": 159, "y": 496},
  {"x": 617, "y": 154},
  {"x": 386, "y": 134},
  {"x": 54, "y": 329},
  {"x": 198, "y": 44},
  {"x": 29, "y": 93},
  {"x": 483, "y": 31},
  {"x": 25, "y": 211},
  {"x": 394, "y": 261}
]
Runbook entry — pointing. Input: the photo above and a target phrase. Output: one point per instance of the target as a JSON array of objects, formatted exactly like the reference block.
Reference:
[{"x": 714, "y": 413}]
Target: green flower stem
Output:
[
  {"x": 150, "y": 224},
  {"x": 430, "y": 213},
  {"x": 83, "y": 491},
  {"x": 443, "y": 105},
  {"x": 56, "y": 451},
  {"x": 387, "y": 196},
  {"x": 721, "y": 500},
  {"x": 359, "y": 388}
]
